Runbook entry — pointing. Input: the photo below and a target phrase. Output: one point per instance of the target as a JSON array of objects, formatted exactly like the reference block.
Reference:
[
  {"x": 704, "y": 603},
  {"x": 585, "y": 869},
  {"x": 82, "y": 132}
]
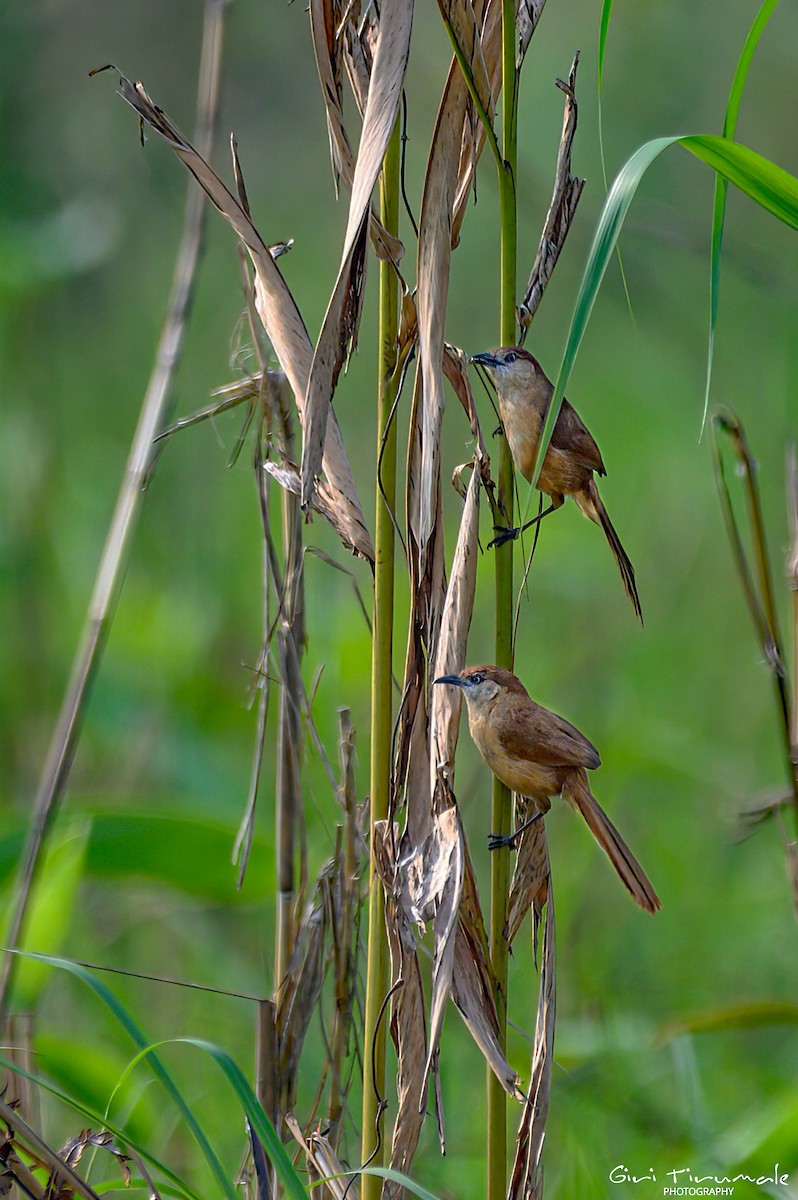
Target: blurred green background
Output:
[{"x": 682, "y": 711}]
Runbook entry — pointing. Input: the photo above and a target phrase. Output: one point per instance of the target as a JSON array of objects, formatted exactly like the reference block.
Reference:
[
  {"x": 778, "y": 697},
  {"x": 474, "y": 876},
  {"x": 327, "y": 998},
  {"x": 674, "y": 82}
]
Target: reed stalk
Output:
[
  {"x": 501, "y": 808},
  {"x": 382, "y": 651}
]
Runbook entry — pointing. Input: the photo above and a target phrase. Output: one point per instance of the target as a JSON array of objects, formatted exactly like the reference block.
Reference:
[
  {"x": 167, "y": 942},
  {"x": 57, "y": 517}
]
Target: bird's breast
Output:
[
  {"x": 522, "y": 425},
  {"x": 519, "y": 774}
]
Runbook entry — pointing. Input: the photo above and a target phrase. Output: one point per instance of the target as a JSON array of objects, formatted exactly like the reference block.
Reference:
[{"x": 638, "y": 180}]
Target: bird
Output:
[
  {"x": 538, "y": 754},
  {"x": 572, "y": 458}
]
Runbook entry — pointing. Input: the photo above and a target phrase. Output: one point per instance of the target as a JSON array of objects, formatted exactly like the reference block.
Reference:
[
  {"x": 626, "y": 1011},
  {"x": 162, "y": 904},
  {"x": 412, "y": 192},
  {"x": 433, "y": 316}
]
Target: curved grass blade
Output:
[
  {"x": 159, "y": 1070},
  {"x": 773, "y": 188},
  {"x": 397, "y": 1177},
  {"x": 255, "y": 1113},
  {"x": 721, "y": 184},
  {"x": 178, "y": 1186}
]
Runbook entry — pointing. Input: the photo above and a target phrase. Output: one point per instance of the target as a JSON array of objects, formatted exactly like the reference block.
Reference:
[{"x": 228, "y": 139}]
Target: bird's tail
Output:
[
  {"x": 592, "y": 506},
  {"x": 632, "y": 874}
]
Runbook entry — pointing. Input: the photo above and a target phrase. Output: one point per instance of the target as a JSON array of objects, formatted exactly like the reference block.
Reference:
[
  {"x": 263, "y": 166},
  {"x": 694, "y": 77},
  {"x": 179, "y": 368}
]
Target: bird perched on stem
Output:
[
  {"x": 524, "y": 393},
  {"x": 539, "y": 755}
]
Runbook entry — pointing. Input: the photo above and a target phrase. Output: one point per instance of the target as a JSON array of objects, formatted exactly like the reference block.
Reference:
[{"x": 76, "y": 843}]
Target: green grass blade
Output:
[
  {"x": 722, "y": 186},
  {"x": 258, "y": 1119},
  {"x": 407, "y": 1183},
  {"x": 156, "y": 1066},
  {"x": 97, "y": 1120},
  {"x": 770, "y": 186},
  {"x": 606, "y": 13}
]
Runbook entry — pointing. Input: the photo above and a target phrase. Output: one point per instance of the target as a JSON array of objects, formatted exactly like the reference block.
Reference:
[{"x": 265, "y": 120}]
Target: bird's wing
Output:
[
  {"x": 547, "y": 739},
  {"x": 571, "y": 434}
]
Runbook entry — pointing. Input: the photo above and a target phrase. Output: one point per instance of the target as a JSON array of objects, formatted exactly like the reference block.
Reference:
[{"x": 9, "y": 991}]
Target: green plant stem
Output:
[
  {"x": 382, "y": 654},
  {"x": 501, "y": 809}
]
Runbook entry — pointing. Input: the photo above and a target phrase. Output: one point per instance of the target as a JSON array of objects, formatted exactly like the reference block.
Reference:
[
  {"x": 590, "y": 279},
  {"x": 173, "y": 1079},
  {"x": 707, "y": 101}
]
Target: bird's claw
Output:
[
  {"x": 503, "y": 535},
  {"x": 497, "y": 841},
  {"x": 498, "y": 431}
]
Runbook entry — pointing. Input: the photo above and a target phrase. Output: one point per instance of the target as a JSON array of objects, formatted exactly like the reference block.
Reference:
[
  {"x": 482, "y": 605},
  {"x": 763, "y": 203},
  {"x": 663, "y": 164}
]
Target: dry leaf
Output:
[
  {"x": 527, "y": 15},
  {"x": 473, "y": 983},
  {"x": 277, "y": 310},
  {"x": 473, "y": 130},
  {"x": 528, "y": 887},
  {"x": 450, "y": 656},
  {"x": 526, "y": 1181},
  {"x": 408, "y": 1023},
  {"x": 565, "y": 198},
  {"x": 341, "y": 321}
]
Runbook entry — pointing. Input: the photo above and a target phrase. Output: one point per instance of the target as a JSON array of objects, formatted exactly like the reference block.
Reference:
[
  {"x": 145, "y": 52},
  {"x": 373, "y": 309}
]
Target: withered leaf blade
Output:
[
  {"x": 473, "y": 130},
  {"x": 564, "y": 200},
  {"x": 287, "y": 476},
  {"x": 446, "y": 862},
  {"x": 473, "y": 983},
  {"x": 526, "y": 1181},
  {"x": 527, "y": 15},
  {"x": 408, "y": 1022},
  {"x": 341, "y": 321},
  {"x": 73, "y": 1151},
  {"x": 455, "y": 368},
  {"x": 529, "y": 884},
  {"x": 434, "y": 256},
  {"x": 450, "y": 657},
  {"x": 299, "y": 991},
  {"x": 277, "y": 310}
]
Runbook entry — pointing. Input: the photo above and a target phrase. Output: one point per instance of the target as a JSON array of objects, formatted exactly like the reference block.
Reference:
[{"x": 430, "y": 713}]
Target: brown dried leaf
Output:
[
  {"x": 434, "y": 257},
  {"x": 339, "y": 330},
  {"x": 72, "y": 1152},
  {"x": 323, "y": 501},
  {"x": 444, "y": 889},
  {"x": 565, "y": 198},
  {"x": 473, "y": 130},
  {"x": 450, "y": 656},
  {"x": 473, "y": 983},
  {"x": 455, "y": 368},
  {"x": 528, "y": 887},
  {"x": 526, "y": 1181},
  {"x": 527, "y": 15},
  {"x": 408, "y": 1023},
  {"x": 327, "y": 1166},
  {"x": 324, "y": 18},
  {"x": 277, "y": 310},
  {"x": 298, "y": 992}
]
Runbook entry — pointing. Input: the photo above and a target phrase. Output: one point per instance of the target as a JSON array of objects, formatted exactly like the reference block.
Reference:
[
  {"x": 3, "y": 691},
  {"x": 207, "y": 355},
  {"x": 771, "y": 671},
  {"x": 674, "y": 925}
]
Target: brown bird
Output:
[
  {"x": 538, "y": 754},
  {"x": 524, "y": 392}
]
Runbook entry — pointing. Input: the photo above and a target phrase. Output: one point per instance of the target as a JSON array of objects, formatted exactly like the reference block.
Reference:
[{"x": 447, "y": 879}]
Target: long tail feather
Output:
[
  {"x": 632, "y": 874},
  {"x": 592, "y": 506}
]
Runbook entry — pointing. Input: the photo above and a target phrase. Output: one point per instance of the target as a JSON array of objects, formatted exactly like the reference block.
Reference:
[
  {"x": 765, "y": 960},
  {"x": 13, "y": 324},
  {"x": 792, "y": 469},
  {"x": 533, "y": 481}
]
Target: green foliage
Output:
[{"x": 53, "y": 907}]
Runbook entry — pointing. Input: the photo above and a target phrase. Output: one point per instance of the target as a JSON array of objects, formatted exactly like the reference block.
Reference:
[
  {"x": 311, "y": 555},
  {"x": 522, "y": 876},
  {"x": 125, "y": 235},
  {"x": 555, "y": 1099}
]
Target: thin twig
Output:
[
  {"x": 761, "y": 601},
  {"x": 107, "y": 587}
]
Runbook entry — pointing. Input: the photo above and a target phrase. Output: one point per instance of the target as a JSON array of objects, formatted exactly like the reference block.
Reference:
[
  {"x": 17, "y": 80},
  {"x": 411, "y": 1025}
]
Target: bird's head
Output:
[
  {"x": 481, "y": 685},
  {"x": 509, "y": 367}
]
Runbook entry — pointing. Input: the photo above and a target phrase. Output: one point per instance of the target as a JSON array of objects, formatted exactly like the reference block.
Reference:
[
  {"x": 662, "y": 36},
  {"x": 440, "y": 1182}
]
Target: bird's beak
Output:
[
  {"x": 454, "y": 679},
  {"x": 486, "y": 360}
]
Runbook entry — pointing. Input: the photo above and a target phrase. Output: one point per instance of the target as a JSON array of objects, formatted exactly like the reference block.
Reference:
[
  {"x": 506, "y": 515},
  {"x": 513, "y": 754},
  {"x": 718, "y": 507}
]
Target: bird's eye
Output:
[
  {"x": 477, "y": 679},
  {"x": 511, "y": 357}
]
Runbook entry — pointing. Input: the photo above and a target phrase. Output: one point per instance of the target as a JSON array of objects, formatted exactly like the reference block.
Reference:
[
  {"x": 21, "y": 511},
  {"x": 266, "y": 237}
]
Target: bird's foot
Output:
[
  {"x": 503, "y": 534},
  {"x": 497, "y": 841},
  {"x": 499, "y": 430}
]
